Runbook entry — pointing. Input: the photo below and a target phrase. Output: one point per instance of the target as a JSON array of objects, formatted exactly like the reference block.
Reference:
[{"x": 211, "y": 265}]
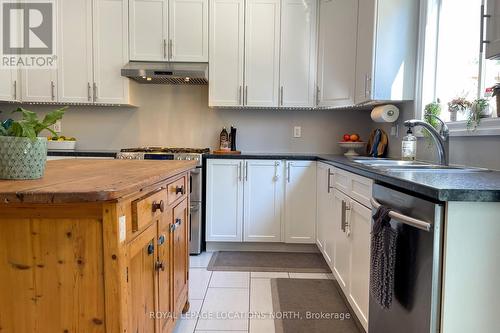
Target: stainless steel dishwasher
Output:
[{"x": 417, "y": 277}]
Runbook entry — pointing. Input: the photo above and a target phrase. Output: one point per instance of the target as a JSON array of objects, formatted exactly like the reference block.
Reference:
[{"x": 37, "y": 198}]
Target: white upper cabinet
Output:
[
  {"x": 493, "y": 29},
  {"x": 338, "y": 26},
  {"x": 298, "y": 53},
  {"x": 169, "y": 30},
  {"x": 39, "y": 85},
  {"x": 188, "y": 30},
  {"x": 262, "y": 42},
  {"x": 224, "y": 207},
  {"x": 75, "y": 77},
  {"x": 148, "y": 24},
  {"x": 263, "y": 200},
  {"x": 110, "y": 22},
  {"x": 300, "y": 202},
  {"x": 227, "y": 24},
  {"x": 9, "y": 87},
  {"x": 386, "y": 50}
]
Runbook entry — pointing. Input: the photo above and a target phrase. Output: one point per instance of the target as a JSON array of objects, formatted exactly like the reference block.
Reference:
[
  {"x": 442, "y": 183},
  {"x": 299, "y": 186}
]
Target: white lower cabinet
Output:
[
  {"x": 300, "y": 202},
  {"x": 224, "y": 210},
  {"x": 325, "y": 212},
  {"x": 246, "y": 201},
  {"x": 263, "y": 201},
  {"x": 351, "y": 228}
]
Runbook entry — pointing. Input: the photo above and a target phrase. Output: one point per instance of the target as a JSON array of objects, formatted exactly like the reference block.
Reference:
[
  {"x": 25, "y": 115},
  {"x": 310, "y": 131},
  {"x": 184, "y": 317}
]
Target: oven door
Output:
[
  {"x": 195, "y": 233},
  {"x": 196, "y": 184}
]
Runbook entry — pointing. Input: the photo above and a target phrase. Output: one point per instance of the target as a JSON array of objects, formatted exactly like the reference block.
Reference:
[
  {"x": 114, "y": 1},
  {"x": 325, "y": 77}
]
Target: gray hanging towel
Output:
[{"x": 383, "y": 258}]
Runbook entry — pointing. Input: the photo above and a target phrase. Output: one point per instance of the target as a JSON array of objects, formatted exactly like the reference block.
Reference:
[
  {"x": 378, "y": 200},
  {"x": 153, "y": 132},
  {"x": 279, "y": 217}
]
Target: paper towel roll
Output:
[{"x": 385, "y": 114}]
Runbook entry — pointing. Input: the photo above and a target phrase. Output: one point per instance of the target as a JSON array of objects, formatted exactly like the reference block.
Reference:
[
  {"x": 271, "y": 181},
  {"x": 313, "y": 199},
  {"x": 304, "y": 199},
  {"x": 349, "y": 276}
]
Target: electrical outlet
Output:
[
  {"x": 395, "y": 130},
  {"x": 297, "y": 132},
  {"x": 57, "y": 127}
]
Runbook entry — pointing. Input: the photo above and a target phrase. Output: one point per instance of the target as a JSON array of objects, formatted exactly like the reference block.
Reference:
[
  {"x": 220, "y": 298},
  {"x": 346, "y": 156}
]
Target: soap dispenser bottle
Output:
[{"x": 409, "y": 146}]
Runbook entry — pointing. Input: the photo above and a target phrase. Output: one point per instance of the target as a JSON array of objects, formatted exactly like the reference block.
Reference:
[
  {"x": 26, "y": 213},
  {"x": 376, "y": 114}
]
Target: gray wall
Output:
[
  {"x": 179, "y": 116},
  {"x": 480, "y": 151}
]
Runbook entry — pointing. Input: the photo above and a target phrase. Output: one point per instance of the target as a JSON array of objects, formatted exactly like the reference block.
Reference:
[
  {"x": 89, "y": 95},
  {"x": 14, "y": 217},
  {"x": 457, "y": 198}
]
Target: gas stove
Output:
[{"x": 163, "y": 153}]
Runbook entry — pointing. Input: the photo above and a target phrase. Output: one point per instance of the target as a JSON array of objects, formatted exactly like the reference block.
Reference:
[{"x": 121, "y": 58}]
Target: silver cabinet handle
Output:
[
  {"x": 330, "y": 174},
  {"x": 246, "y": 95},
  {"x": 246, "y": 171},
  {"x": 281, "y": 96},
  {"x": 276, "y": 175},
  {"x": 15, "y": 89},
  {"x": 419, "y": 224},
  {"x": 170, "y": 49},
  {"x": 239, "y": 171},
  {"x": 318, "y": 91},
  {"x": 342, "y": 219},
  {"x": 89, "y": 94},
  {"x": 95, "y": 92},
  {"x": 367, "y": 85},
  {"x": 52, "y": 90},
  {"x": 240, "y": 93},
  {"x": 289, "y": 165},
  {"x": 165, "y": 49},
  {"x": 344, "y": 223}
]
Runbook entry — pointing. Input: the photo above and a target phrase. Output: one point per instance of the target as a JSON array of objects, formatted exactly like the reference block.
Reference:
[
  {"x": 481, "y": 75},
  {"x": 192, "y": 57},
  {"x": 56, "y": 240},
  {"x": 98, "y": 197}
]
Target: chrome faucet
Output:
[{"x": 441, "y": 138}]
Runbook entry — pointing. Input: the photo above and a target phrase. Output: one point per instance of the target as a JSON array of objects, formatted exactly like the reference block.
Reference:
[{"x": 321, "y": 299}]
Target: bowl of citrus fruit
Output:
[
  {"x": 351, "y": 142},
  {"x": 61, "y": 142}
]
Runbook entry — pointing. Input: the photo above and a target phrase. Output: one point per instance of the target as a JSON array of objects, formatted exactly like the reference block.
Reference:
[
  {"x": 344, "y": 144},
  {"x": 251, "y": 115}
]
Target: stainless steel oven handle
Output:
[{"x": 419, "y": 224}]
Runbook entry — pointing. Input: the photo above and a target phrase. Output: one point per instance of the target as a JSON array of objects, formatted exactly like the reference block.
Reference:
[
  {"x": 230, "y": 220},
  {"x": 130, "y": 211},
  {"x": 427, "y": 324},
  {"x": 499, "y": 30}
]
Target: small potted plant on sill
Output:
[
  {"x": 480, "y": 109},
  {"x": 456, "y": 105},
  {"x": 23, "y": 154}
]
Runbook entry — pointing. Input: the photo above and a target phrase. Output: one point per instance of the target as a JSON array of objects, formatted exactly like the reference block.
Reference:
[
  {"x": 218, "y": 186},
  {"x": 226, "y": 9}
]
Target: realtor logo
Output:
[{"x": 28, "y": 34}]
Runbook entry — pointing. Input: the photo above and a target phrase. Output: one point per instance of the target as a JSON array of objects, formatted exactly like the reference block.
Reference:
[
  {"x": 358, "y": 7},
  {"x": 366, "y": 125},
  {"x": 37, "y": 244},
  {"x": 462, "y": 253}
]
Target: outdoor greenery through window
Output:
[{"x": 461, "y": 70}]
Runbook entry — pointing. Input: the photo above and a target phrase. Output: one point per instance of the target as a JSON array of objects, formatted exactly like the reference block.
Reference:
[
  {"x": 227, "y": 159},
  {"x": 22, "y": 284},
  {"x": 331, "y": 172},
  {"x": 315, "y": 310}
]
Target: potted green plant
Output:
[
  {"x": 23, "y": 154},
  {"x": 480, "y": 109},
  {"x": 456, "y": 105}
]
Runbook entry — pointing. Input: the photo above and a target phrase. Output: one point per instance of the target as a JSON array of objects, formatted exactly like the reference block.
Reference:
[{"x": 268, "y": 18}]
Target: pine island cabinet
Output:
[{"x": 106, "y": 252}]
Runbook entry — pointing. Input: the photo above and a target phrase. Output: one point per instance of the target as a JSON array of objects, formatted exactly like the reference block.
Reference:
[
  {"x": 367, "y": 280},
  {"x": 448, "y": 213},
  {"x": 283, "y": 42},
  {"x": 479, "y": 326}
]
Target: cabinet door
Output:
[
  {"x": 263, "y": 193},
  {"x": 493, "y": 29},
  {"x": 224, "y": 216},
  {"x": 39, "y": 85},
  {"x": 110, "y": 51},
  {"x": 262, "y": 40},
  {"x": 342, "y": 244},
  {"x": 298, "y": 53},
  {"x": 8, "y": 85},
  {"x": 142, "y": 281},
  {"x": 226, "y": 52},
  {"x": 164, "y": 268},
  {"x": 364, "y": 53},
  {"x": 300, "y": 202},
  {"x": 148, "y": 24},
  {"x": 337, "y": 65},
  {"x": 360, "y": 228},
  {"x": 188, "y": 30},
  {"x": 180, "y": 255},
  {"x": 75, "y": 49}
]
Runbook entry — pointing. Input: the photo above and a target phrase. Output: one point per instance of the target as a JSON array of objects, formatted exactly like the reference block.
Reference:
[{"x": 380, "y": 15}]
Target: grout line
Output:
[
  {"x": 203, "y": 301},
  {"x": 249, "y": 299}
]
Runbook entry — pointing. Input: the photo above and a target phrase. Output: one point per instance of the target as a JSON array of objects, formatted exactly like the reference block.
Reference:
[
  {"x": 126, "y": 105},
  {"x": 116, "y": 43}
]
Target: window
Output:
[{"x": 452, "y": 38}]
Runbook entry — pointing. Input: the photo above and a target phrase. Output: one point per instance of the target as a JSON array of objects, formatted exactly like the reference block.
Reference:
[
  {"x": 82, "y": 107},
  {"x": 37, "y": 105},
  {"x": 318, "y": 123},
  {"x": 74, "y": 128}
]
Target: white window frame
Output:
[{"x": 427, "y": 72}]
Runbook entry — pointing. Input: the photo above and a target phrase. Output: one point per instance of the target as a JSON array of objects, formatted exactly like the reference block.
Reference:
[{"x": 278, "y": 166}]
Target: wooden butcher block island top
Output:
[
  {"x": 96, "y": 246},
  {"x": 79, "y": 180}
]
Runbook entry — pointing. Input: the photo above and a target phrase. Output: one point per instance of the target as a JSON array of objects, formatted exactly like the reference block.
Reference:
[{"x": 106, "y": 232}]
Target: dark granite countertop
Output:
[
  {"x": 265, "y": 156},
  {"x": 464, "y": 186},
  {"x": 82, "y": 153}
]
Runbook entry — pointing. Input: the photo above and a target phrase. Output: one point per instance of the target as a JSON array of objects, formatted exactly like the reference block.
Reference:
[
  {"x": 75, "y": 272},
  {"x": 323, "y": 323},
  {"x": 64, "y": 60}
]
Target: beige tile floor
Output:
[{"x": 216, "y": 296}]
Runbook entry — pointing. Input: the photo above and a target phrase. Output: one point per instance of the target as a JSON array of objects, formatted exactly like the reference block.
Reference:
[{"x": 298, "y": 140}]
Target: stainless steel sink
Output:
[{"x": 388, "y": 165}]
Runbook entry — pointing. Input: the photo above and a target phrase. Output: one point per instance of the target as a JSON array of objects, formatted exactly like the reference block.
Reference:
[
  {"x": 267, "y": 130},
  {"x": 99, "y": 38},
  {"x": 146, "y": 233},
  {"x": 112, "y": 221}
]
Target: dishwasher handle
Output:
[{"x": 422, "y": 225}]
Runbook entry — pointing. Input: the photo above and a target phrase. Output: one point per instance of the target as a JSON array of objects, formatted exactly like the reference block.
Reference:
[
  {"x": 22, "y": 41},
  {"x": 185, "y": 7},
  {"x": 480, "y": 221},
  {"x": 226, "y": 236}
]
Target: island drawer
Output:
[
  {"x": 176, "y": 190},
  {"x": 145, "y": 209}
]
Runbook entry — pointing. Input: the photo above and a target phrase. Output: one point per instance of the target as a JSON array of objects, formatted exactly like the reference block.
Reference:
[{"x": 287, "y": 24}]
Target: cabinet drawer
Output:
[
  {"x": 144, "y": 210},
  {"x": 176, "y": 190},
  {"x": 361, "y": 189},
  {"x": 342, "y": 180}
]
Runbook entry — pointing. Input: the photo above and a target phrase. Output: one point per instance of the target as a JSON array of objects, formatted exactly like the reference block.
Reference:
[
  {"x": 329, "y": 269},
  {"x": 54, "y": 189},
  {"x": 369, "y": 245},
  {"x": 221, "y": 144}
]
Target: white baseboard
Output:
[{"x": 270, "y": 247}]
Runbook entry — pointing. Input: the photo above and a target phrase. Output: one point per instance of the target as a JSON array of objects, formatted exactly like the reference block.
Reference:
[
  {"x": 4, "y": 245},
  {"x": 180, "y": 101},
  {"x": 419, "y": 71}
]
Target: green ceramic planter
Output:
[{"x": 22, "y": 158}]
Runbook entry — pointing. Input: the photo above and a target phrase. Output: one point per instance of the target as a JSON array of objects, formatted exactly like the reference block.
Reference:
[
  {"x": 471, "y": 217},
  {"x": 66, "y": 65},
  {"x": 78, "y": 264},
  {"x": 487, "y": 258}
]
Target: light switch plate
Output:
[{"x": 297, "y": 132}]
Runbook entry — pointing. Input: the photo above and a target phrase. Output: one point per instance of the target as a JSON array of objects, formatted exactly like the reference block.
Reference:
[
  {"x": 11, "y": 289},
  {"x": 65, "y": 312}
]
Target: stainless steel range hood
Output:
[{"x": 167, "y": 72}]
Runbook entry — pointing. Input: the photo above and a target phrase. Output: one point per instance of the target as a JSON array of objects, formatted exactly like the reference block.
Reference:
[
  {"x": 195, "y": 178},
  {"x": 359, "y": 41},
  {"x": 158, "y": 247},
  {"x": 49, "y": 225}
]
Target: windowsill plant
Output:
[{"x": 456, "y": 105}]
